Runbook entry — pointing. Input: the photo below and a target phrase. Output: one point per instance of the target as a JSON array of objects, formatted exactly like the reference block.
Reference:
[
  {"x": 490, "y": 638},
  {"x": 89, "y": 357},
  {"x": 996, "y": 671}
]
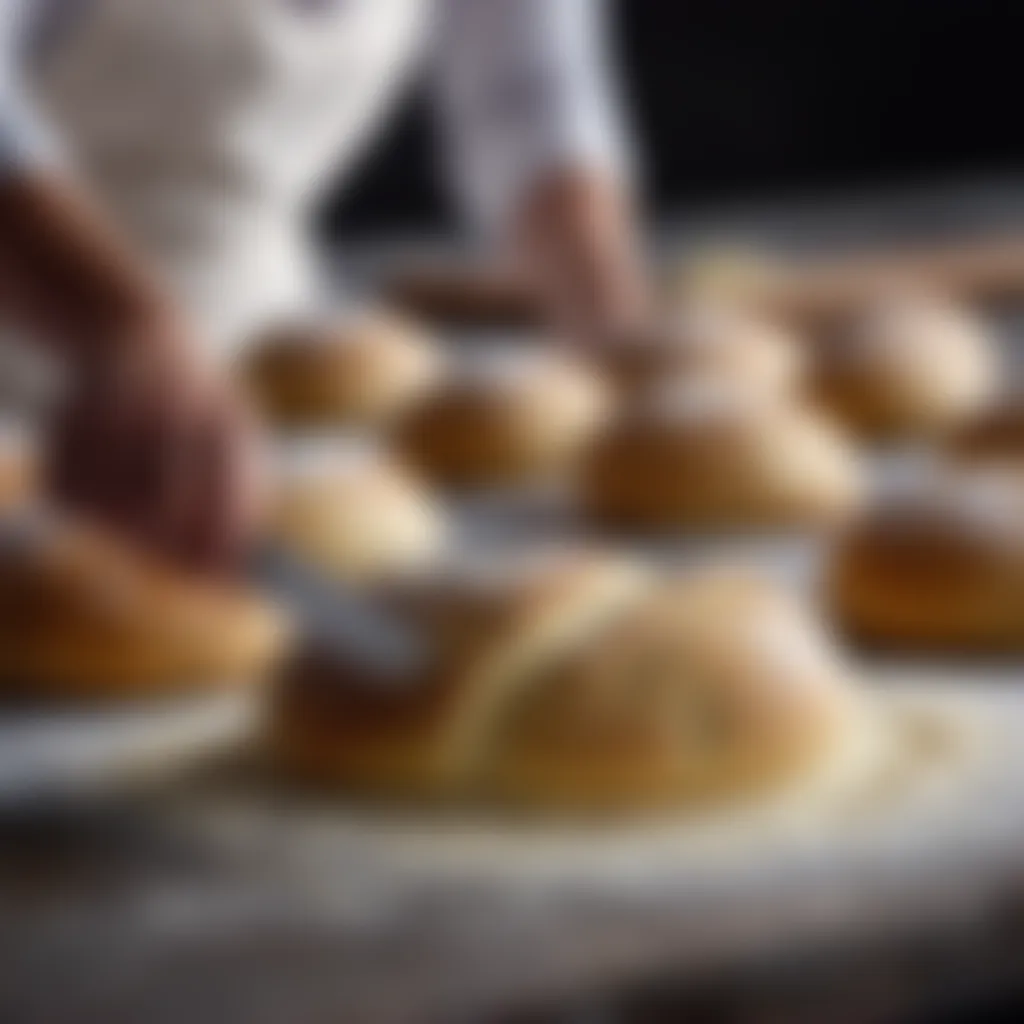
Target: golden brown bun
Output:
[
  {"x": 349, "y": 509},
  {"x": 994, "y": 434},
  {"x": 940, "y": 567},
  {"x": 429, "y": 739},
  {"x": 708, "y": 455},
  {"x": 710, "y": 340},
  {"x": 709, "y": 688},
  {"x": 505, "y": 416},
  {"x": 83, "y": 618},
  {"x": 362, "y": 370},
  {"x": 906, "y": 368},
  {"x": 584, "y": 687}
]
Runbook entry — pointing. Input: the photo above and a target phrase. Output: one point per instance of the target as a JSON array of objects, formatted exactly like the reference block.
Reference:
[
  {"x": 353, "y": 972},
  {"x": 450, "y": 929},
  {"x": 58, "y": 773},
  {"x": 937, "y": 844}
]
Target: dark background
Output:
[{"x": 765, "y": 98}]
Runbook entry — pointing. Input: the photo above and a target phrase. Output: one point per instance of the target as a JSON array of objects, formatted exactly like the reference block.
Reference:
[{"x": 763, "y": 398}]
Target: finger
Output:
[
  {"x": 84, "y": 451},
  {"x": 110, "y": 456},
  {"x": 225, "y": 489},
  {"x": 128, "y": 465},
  {"x": 142, "y": 485},
  {"x": 61, "y": 471},
  {"x": 154, "y": 472},
  {"x": 238, "y": 472}
]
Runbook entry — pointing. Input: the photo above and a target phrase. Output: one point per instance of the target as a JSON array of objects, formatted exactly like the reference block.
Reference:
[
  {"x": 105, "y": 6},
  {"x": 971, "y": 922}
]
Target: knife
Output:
[{"x": 347, "y": 627}]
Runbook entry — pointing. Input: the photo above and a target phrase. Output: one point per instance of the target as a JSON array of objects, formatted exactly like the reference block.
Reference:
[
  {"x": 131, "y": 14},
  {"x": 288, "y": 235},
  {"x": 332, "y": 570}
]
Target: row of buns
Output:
[
  {"x": 909, "y": 367},
  {"x": 937, "y": 563},
  {"x": 588, "y": 683},
  {"x": 728, "y": 445},
  {"x": 573, "y": 681},
  {"x": 717, "y": 420},
  {"x": 576, "y": 681},
  {"x": 711, "y": 452}
]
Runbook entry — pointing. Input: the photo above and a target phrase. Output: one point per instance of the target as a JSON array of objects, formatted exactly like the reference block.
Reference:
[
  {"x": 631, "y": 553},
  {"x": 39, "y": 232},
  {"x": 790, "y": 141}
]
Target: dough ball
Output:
[
  {"x": 709, "y": 455},
  {"x": 361, "y": 370},
  {"x": 709, "y": 341},
  {"x": 582, "y": 685},
  {"x": 936, "y": 566},
  {"x": 505, "y": 415},
  {"x": 352, "y": 511},
  {"x": 81, "y": 618},
  {"x": 905, "y": 368}
]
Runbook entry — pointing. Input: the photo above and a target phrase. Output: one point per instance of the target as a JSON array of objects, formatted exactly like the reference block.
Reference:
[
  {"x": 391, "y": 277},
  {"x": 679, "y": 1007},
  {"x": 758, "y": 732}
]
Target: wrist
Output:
[
  {"x": 578, "y": 244},
  {"x": 67, "y": 276}
]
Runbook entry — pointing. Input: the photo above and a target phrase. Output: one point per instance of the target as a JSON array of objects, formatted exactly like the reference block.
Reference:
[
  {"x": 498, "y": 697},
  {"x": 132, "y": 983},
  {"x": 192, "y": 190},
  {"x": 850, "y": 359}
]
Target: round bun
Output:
[
  {"x": 994, "y": 434},
  {"x": 909, "y": 367},
  {"x": 583, "y": 686},
  {"x": 710, "y": 341},
  {"x": 361, "y": 370},
  {"x": 711, "y": 456},
  {"x": 505, "y": 416},
  {"x": 82, "y": 618},
  {"x": 940, "y": 566},
  {"x": 349, "y": 509}
]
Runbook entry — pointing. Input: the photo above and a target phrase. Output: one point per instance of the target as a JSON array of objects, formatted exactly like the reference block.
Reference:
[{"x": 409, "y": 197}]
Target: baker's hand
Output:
[
  {"x": 157, "y": 447},
  {"x": 577, "y": 244}
]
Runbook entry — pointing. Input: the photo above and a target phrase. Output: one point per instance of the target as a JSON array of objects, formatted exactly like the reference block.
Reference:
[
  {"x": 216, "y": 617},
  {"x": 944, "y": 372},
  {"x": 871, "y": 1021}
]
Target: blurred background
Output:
[{"x": 817, "y": 98}]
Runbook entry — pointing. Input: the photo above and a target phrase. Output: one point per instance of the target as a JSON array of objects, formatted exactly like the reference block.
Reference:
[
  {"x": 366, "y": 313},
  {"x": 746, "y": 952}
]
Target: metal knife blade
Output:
[{"x": 348, "y": 627}]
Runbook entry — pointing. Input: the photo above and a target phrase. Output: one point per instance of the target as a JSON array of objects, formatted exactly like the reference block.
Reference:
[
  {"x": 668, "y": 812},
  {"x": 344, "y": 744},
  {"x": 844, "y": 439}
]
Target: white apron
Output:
[{"x": 206, "y": 127}]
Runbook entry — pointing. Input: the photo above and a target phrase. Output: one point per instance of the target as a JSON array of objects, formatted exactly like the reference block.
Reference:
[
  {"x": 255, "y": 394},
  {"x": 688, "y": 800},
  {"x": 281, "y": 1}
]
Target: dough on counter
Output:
[
  {"x": 710, "y": 455},
  {"x": 909, "y": 367},
  {"x": 583, "y": 685},
  {"x": 938, "y": 565},
  {"x": 348, "y": 508},
  {"x": 360, "y": 370},
  {"x": 83, "y": 618},
  {"x": 507, "y": 414},
  {"x": 710, "y": 340}
]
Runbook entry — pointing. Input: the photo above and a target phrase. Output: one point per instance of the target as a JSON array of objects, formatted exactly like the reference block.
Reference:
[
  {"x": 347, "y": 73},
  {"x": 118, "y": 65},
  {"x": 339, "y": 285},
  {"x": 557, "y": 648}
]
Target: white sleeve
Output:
[
  {"x": 524, "y": 88},
  {"x": 24, "y": 138}
]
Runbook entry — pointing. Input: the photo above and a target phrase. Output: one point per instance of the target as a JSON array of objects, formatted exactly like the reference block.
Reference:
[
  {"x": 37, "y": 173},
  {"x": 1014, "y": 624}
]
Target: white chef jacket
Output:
[{"x": 208, "y": 127}]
